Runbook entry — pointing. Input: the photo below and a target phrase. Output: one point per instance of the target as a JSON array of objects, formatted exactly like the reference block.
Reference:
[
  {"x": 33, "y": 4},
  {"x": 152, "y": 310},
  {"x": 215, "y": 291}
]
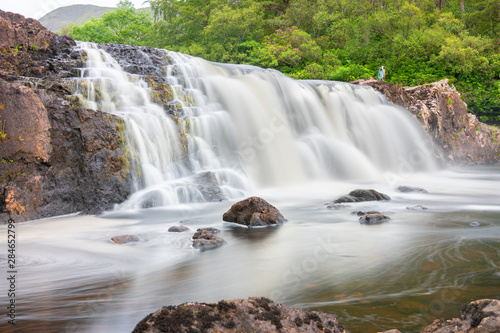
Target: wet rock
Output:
[
  {"x": 337, "y": 206},
  {"x": 211, "y": 230},
  {"x": 254, "y": 212},
  {"x": 205, "y": 240},
  {"x": 360, "y": 195},
  {"x": 362, "y": 213},
  {"x": 208, "y": 186},
  {"x": 417, "y": 207},
  {"x": 255, "y": 314},
  {"x": 178, "y": 228},
  {"x": 123, "y": 239},
  {"x": 406, "y": 189},
  {"x": 481, "y": 316},
  {"x": 373, "y": 218},
  {"x": 461, "y": 137},
  {"x": 474, "y": 224}
]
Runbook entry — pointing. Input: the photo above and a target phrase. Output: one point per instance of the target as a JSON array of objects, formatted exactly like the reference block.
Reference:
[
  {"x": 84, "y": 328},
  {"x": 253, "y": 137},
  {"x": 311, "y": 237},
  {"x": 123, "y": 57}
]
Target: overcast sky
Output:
[{"x": 38, "y": 8}]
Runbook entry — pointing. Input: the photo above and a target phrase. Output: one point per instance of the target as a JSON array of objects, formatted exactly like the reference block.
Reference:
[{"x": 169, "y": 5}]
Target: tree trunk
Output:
[
  {"x": 462, "y": 6},
  {"x": 438, "y": 4}
]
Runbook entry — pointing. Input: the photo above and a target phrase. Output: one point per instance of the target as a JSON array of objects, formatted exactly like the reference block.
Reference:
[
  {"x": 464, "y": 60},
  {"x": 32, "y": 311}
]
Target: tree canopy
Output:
[{"x": 417, "y": 41}]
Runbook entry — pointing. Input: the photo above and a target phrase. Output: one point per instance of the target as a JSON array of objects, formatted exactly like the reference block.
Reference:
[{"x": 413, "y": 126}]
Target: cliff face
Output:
[
  {"x": 55, "y": 158},
  {"x": 464, "y": 140}
]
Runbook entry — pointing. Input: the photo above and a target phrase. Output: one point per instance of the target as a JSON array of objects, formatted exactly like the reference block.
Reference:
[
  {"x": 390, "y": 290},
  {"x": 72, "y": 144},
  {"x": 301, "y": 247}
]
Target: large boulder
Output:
[
  {"x": 255, "y": 314},
  {"x": 462, "y": 138},
  {"x": 481, "y": 316},
  {"x": 361, "y": 195},
  {"x": 254, "y": 212}
]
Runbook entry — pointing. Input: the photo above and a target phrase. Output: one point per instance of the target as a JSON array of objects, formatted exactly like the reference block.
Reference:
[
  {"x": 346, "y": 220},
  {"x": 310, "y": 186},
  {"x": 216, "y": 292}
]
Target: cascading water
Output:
[{"x": 247, "y": 127}]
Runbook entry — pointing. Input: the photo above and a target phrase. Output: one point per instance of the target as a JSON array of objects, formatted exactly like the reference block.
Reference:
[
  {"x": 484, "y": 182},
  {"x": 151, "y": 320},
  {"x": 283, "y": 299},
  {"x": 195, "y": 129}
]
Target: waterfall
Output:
[{"x": 240, "y": 127}]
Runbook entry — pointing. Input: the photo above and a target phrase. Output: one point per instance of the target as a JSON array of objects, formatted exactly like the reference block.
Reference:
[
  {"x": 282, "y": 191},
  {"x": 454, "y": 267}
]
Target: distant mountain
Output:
[{"x": 77, "y": 14}]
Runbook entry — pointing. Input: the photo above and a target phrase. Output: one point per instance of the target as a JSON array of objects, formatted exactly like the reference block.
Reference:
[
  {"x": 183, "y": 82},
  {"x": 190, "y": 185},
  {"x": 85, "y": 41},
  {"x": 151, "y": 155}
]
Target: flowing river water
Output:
[{"x": 313, "y": 143}]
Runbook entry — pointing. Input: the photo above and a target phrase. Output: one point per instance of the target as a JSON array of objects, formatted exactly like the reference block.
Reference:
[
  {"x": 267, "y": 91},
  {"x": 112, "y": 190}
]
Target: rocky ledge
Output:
[
  {"x": 55, "y": 158},
  {"x": 438, "y": 106}
]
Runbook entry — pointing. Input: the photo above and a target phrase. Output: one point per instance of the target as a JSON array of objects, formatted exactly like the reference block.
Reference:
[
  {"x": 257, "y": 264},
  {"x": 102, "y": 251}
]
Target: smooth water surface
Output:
[{"x": 419, "y": 266}]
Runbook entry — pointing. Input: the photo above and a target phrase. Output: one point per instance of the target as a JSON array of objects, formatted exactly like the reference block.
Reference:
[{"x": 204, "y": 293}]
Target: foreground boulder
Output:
[
  {"x": 482, "y": 316},
  {"x": 461, "y": 137},
  {"x": 361, "y": 195},
  {"x": 206, "y": 239},
  {"x": 255, "y": 314},
  {"x": 254, "y": 212}
]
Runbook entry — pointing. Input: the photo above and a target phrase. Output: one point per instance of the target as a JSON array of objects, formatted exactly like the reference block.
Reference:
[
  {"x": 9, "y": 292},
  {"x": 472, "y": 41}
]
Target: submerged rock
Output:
[
  {"x": 373, "y": 218},
  {"x": 211, "y": 230},
  {"x": 362, "y": 213},
  {"x": 417, "y": 207},
  {"x": 481, "y": 316},
  {"x": 406, "y": 189},
  {"x": 254, "y": 212},
  {"x": 178, "y": 228},
  {"x": 122, "y": 239},
  {"x": 208, "y": 186},
  {"x": 255, "y": 314},
  {"x": 206, "y": 240},
  {"x": 361, "y": 195}
]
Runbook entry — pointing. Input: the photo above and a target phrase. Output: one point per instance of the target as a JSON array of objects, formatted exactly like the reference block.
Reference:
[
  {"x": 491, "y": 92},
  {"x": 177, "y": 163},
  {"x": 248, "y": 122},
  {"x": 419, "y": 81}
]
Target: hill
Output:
[{"x": 77, "y": 14}]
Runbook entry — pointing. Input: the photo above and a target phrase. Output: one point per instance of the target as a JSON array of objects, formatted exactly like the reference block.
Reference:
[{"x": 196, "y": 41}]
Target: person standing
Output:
[{"x": 381, "y": 73}]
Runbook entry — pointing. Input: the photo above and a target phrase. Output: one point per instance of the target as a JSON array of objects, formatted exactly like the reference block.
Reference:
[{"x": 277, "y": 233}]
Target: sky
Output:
[{"x": 38, "y": 8}]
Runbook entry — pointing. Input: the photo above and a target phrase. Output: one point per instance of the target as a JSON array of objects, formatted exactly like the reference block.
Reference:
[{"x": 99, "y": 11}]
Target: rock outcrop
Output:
[
  {"x": 255, "y": 314},
  {"x": 373, "y": 218},
  {"x": 254, "y": 212},
  {"x": 123, "y": 239},
  {"x": 462, "y": 138},
  {"x": 361, "y": 195},
  {"x": 481, "y": 316},
  {"x": 56, "y": 158},
  {"x": 205, "y": 239}
]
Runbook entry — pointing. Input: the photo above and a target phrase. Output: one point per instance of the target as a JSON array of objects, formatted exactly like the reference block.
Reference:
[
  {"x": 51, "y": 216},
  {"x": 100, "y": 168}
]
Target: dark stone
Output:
[
  {"x": 178, "y": 228},
  {"x": 255, "y": 314},
  {"x": 362, "y": 213},
  {"x": 406, "y": 189},
  {"x": 205, "y": 240},
  {"x": 211, "y": 230},
  {"x": 254, "y": 212},
  {"x": 361, "y": 195},
  {"x": 373, "y": 218},
  {"x": 481, "y": 316},
  {"x": 122, "y": 239},
  {"x": 417, "y": 207}
]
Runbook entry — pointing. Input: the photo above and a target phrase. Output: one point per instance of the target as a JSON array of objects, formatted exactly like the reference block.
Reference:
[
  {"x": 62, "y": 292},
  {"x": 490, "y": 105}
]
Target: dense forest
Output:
[{"x": 417, "y": 41}]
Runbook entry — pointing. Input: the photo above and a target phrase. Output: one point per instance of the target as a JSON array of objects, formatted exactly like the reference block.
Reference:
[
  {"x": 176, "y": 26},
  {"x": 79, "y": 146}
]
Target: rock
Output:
[
  {"x": 206, "y": 240},
  {"x": 337, "y": 206},
  {"x": 211, "y": 230},
  {"x": 474, "y": 224},
  {"x": 178, "y": 228},
  {"x": 122, "y": 239},
  {"x": 481, "y": 316},
  {"x": 208, "y": 186},
  {"x": 417, "y": 207},
  {"x": 361, "y": 213},
  {"x": 255, "y": 314},
  {"x": 406, "y": 189},
  {"x": 58, "y": 158},
  {"x": 373, "y": 218},
  {"x": 254, "y": 212},
  {"x": 462, "y": 138},
  {"x": 360, "y": 195}
]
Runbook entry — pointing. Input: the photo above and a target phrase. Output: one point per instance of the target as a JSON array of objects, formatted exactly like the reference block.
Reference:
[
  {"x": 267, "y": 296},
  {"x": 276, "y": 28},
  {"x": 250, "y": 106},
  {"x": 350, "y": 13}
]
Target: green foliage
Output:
[
  {"x": 418, "y": 42},
  {"x": 125, "y": 25}
]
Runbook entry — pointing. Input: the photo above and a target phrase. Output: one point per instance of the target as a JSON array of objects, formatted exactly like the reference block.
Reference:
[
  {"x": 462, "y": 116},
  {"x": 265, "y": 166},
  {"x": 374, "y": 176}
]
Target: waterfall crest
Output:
[{"x": 238, "y": 127}]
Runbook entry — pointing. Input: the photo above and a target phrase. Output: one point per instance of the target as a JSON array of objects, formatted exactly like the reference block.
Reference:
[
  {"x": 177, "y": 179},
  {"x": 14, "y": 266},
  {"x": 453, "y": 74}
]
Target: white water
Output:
[{"x": 251, "y": 128}]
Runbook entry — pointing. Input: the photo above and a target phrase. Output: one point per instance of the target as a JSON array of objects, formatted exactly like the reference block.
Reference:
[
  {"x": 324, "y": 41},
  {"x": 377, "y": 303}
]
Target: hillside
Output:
[{"x": 77, "y": 14}]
